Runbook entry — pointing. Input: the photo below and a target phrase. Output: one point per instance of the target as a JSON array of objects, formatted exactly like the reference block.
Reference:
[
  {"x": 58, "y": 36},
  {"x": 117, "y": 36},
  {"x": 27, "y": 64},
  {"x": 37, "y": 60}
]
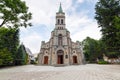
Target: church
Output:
[{"x": 60, "y": 50}]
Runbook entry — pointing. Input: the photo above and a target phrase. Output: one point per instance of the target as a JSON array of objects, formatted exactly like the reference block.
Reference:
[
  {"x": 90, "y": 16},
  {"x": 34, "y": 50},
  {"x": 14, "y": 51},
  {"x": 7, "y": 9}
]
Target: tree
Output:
[
  {"x": 93, "y": 49},
  {"x": 9, "y": 40},
  {"x": 108, "y": 18},
  {"x": 22, "y": 56},
  {"x": 14, "y": 13},
  {"x": 101, "y": 48},
  {"x": 5, "y": 57}
]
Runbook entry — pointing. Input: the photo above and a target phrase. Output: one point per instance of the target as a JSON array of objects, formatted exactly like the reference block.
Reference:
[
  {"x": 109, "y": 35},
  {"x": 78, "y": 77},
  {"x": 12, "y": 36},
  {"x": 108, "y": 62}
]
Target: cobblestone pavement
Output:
[{"x": 78, "y": 72}]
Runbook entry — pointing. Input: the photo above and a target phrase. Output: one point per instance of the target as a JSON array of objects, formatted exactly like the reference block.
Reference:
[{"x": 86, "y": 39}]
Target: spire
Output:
[{"x": 60, "y": 9}]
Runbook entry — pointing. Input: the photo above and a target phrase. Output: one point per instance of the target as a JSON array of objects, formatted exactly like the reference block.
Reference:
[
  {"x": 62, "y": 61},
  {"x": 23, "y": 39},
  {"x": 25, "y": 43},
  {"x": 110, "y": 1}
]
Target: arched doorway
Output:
[
  {"x": 45, "y": 59},
  {"x": 60, "y": 57},
  {"x": 74, "y": 59}
]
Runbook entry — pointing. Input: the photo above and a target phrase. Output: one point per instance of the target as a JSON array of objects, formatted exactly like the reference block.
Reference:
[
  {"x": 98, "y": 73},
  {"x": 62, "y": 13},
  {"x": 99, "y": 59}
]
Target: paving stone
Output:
[{"x": 80, "y": 72}]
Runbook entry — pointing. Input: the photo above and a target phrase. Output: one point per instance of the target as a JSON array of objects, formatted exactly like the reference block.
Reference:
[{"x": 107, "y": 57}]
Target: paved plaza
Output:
[{"x": 78, "y": 72}]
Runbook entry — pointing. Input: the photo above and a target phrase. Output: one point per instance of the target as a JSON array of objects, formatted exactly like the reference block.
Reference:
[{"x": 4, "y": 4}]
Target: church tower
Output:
[
  {"x": 60, "y": 18},
  {"x": 60, "y": 50}
]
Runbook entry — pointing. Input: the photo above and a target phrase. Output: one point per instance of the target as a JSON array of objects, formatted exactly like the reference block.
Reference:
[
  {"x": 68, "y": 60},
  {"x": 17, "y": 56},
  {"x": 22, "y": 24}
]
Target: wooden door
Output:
[
  {"x": 74, "y": 59},
  {"x": 60, "y": 59},
  {"x": 45, "y": 59}
]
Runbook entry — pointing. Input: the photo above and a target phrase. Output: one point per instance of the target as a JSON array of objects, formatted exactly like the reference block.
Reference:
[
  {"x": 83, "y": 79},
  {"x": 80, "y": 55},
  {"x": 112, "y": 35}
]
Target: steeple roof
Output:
[{"x": 60, "y": 9}]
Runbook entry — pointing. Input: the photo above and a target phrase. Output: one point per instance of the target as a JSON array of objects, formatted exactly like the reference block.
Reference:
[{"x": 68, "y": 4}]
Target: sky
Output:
[{"x": 79, "y": 21}]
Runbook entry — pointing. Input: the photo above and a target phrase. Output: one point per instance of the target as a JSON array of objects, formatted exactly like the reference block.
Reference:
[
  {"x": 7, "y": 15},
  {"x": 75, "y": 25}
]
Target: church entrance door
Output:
[
  {"x": 74, "y": 59},
  {"x": 60, "y": 57},
  {"x": 45, "y": 59}
]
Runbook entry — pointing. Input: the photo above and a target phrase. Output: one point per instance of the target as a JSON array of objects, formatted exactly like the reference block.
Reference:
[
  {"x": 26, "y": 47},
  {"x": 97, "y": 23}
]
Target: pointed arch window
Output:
[{"x": 60, "y": 39}]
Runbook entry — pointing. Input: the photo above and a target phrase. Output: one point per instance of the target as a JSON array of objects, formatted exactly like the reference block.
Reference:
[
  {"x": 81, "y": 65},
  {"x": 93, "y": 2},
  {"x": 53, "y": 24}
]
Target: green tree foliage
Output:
[
  {"x": 101, "y": 48},
  {"x": 14, "y": 13},
  {"x": 93, "y": 49},
  {"x": 22, "y": 56},
  {"x": 108, "y": 18},
  {"x": 116, "y": 22},
  {"x": 9, "y": 40},
  {"x": 5, "y": 57}
]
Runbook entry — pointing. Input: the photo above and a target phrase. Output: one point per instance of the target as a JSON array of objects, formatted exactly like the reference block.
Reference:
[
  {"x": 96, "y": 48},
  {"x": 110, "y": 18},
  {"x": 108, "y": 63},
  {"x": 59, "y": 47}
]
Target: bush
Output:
[
  {"x": 33, "y": 62},
  {"x": 103, "y": 62}
]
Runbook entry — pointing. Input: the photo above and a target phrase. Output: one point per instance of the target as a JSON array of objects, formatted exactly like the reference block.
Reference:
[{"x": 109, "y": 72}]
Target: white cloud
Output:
[
  {"x": 89, "y": 29},
  {"x": 44, "y": 10},
  {"x": 80, "y": 1},
  {"x": 32, "y": 41},
  {"x": 76, "y": 20},
  {"x": 81, "y": 26},
  {"x": 89, "y": 1}
]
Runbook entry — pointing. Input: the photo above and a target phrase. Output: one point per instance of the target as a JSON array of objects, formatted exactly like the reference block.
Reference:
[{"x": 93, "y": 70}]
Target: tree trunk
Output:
[{"x": 3, "y": 23}]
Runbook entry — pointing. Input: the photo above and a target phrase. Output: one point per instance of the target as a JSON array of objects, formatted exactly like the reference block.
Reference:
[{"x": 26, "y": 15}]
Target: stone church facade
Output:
[{"x": 60, "y": 50}]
